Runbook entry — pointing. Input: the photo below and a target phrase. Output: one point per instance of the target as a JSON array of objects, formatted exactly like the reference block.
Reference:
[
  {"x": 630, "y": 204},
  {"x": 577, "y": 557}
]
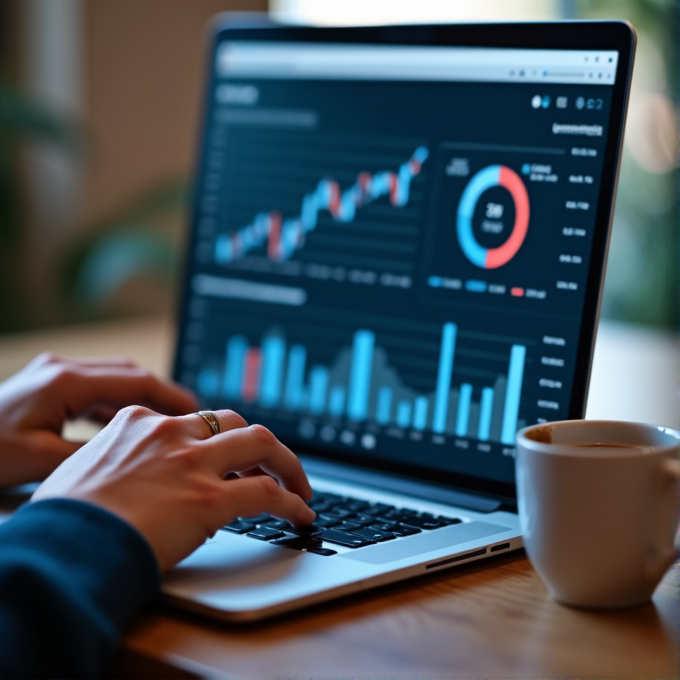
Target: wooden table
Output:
[{"x": 490, "y": 620}]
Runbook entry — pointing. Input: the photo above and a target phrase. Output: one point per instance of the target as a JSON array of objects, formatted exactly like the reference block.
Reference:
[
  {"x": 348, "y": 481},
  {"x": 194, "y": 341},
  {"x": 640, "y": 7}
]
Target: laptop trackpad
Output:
[{"x": 425, "y": 542}]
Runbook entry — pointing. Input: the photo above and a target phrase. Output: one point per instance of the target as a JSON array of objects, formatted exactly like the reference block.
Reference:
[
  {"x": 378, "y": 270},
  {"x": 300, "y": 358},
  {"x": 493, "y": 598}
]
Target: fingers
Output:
[
  {"x": 250, "y": 496},
  {"x": 44, "y": 452},
  {"x": 101, "y": 414},
  {"x": 119, "y": 385},
  {"x": 195, "y": 426},
  {"x": 245, "y": 448}
]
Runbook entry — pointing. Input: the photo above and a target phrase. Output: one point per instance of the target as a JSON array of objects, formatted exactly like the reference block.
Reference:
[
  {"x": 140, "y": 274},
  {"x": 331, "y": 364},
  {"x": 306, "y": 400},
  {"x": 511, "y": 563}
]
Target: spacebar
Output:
[{"x": 343, "y": 538}]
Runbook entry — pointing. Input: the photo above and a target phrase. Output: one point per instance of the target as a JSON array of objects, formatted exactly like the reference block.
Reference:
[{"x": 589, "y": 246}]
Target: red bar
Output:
[
  {"x": 517, "y": 292},
  {"x": 393, "y": 189},
  {"x": 364, "y": 179},
  {"x": 334, "y": 201},
  {"x": 274, "y": 244},
  {"x": 251, "y": 375}
]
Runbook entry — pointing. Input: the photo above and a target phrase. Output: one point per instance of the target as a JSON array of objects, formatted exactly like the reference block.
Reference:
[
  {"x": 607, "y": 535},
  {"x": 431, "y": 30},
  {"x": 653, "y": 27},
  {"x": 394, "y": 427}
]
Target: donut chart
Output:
[{"x": 492, "y": 176}]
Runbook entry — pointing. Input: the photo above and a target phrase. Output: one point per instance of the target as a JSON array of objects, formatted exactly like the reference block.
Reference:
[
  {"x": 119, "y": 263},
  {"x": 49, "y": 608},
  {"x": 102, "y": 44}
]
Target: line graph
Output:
[{"x": 282, "y": 237}]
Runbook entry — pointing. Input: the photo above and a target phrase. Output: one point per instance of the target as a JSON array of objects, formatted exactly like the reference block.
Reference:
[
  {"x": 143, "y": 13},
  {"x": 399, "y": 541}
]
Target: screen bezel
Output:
[{"x": 567, "y": 35}]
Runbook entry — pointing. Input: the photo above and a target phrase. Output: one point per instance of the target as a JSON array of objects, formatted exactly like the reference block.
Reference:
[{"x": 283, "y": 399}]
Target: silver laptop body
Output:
[{"x": 395, "y": 261}]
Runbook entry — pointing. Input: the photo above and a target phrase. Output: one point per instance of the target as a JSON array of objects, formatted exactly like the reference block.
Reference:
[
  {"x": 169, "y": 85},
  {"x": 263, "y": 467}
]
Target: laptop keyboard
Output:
[{"x": 341, "y": 520}]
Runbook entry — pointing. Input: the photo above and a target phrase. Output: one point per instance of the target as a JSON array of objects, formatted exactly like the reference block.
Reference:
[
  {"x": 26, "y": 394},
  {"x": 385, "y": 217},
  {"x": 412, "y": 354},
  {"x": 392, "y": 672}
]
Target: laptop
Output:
[{"x": 395, "y": 261}]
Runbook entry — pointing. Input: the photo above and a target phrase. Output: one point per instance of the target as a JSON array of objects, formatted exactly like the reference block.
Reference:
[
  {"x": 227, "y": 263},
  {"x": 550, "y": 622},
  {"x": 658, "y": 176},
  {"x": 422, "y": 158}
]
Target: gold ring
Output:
[{"x": 212, "y": 421}]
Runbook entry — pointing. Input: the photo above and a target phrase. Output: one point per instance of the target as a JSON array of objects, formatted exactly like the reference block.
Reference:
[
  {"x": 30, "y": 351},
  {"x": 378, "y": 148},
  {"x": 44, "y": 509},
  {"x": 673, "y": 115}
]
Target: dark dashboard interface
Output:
[{"x": 390, "y": 262}]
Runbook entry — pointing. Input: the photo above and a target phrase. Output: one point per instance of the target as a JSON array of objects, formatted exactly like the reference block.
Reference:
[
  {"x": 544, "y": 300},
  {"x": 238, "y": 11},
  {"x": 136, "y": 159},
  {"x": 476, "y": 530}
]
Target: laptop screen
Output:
[{"x": 391, "y": 245}]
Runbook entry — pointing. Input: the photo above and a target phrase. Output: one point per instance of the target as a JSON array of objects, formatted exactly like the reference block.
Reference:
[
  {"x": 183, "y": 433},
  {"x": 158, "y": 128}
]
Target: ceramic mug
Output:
[{"x": 598, "y": 507}]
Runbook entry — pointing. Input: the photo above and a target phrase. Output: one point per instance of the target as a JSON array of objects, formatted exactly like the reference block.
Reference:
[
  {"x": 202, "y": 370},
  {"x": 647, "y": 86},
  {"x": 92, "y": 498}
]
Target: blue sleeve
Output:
[{"x": 71, "y": 576}]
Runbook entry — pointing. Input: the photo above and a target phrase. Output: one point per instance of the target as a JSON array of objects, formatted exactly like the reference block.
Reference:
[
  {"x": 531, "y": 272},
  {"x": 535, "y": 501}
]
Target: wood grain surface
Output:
[{"x": 490, "y": 620}]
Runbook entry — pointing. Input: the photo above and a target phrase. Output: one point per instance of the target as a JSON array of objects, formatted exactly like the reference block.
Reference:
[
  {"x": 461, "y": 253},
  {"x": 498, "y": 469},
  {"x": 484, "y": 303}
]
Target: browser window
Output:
[{"x": 391, "y": 244}]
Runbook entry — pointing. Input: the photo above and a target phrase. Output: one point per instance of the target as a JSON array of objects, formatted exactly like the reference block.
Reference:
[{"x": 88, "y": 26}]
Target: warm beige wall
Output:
[{"x": 144, "y": 66}]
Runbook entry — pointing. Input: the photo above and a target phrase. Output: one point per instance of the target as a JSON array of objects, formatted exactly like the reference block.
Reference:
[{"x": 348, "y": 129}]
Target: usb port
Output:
[{"x": 500, "y": 546}]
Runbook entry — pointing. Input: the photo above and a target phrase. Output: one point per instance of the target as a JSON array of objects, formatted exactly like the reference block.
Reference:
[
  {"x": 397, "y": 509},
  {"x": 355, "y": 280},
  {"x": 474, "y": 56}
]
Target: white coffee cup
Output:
[{"x": 598, "y": 507}]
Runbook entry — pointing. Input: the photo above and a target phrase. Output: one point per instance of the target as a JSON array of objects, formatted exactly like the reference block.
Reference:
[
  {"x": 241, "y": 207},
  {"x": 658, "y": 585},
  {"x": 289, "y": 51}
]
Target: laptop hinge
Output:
[{"x": 391, "y": 482}]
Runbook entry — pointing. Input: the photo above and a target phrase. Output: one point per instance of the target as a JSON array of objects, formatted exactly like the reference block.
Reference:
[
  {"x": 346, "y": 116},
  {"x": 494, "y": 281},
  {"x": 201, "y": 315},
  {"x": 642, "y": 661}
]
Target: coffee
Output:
[{"x": 600, "y": 445}]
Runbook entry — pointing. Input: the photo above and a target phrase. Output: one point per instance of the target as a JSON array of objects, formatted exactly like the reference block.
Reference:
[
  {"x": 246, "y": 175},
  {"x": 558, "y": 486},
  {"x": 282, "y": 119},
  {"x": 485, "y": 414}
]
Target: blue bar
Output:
[
  {"x": 318, "y": 385},
  {"x": 420, "y": 413},
  {"x": 384, "y": 409},
  {"x": 223, "y": 249},
  {"x": 512, "y": 394},
  {"x": 233, "y": 371},
  {"x": 464, "y": 398},
  {"x": 404, "y": 413},
  {"x": 295, "y": 376},
  {"x": 208, "y": 383},
  {"x": 304, "y": 398},
  {"x": 360, "y": 375},
  {"x": 336, "y": 401},
  {"x": 485, "y": 408},
  {"x": 441, "y": 402},
  {"x": 273, "y": 355}
]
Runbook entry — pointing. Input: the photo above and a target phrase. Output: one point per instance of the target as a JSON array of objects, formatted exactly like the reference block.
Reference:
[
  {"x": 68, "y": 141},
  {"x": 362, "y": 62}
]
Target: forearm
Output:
[{"x": 71, "y": 576}]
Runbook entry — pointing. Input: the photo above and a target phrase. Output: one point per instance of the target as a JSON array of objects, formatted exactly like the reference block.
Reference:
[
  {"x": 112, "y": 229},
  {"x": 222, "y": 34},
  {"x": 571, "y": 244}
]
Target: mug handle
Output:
[
  {"x": 660, "y": 558},
  {"x": 671, "y": 469}
]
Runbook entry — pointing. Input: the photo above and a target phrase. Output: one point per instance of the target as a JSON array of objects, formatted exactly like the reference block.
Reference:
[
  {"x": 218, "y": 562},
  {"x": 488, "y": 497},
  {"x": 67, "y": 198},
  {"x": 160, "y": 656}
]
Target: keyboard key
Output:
[
  {"x": 257, "y": 519},
  {"x": 421, "y": 522},
  {"x": 325, "y": 552},
  {"x": 405, "y": 530},
  {"x": 330, "y": 498},
  {"x": 303, "y": 531},
  {"x": 395, "y": 528},
  {"x": 298, "y": 542},
  {"x": 320, "y": 507},
  {"x": 266, "y": 534},
  {"x": 388, "y": 518},
  {"x": 238, "y": 526},
  {"x": 343, "y": 538},
  {"x": 448, "y": 520},
  {"x": 373, "y": 535},
  {"x": 326, "y": 521},
  {"x": 339, "y": 513},
  {"x": 377, "y": 509},
  {"x": 356, "y": 505},
  {"x": 277, "y": 524},
  {"x": 348, "y": 526}
]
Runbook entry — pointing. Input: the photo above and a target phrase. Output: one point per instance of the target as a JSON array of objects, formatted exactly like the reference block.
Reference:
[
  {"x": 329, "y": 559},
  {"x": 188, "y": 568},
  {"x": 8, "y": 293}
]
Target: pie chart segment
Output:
[{"x": 492, "y": 176}]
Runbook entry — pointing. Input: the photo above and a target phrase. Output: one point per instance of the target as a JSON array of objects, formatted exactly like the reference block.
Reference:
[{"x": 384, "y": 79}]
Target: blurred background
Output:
[{"x": 99, "y": 107}]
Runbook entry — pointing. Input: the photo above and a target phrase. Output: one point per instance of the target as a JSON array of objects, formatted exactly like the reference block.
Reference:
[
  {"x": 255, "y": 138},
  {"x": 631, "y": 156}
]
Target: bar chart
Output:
[{"x": 361, "y": 386}]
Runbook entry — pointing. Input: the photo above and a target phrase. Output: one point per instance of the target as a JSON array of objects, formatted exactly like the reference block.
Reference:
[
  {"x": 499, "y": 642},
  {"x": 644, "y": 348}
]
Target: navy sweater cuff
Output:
[{"x": 71, "y": 576}]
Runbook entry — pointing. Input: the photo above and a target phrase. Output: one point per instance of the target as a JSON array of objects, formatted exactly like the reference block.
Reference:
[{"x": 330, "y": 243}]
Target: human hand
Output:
[
  {"x": 166, "y": 477},
  {"x": 37, "y": 401}
]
